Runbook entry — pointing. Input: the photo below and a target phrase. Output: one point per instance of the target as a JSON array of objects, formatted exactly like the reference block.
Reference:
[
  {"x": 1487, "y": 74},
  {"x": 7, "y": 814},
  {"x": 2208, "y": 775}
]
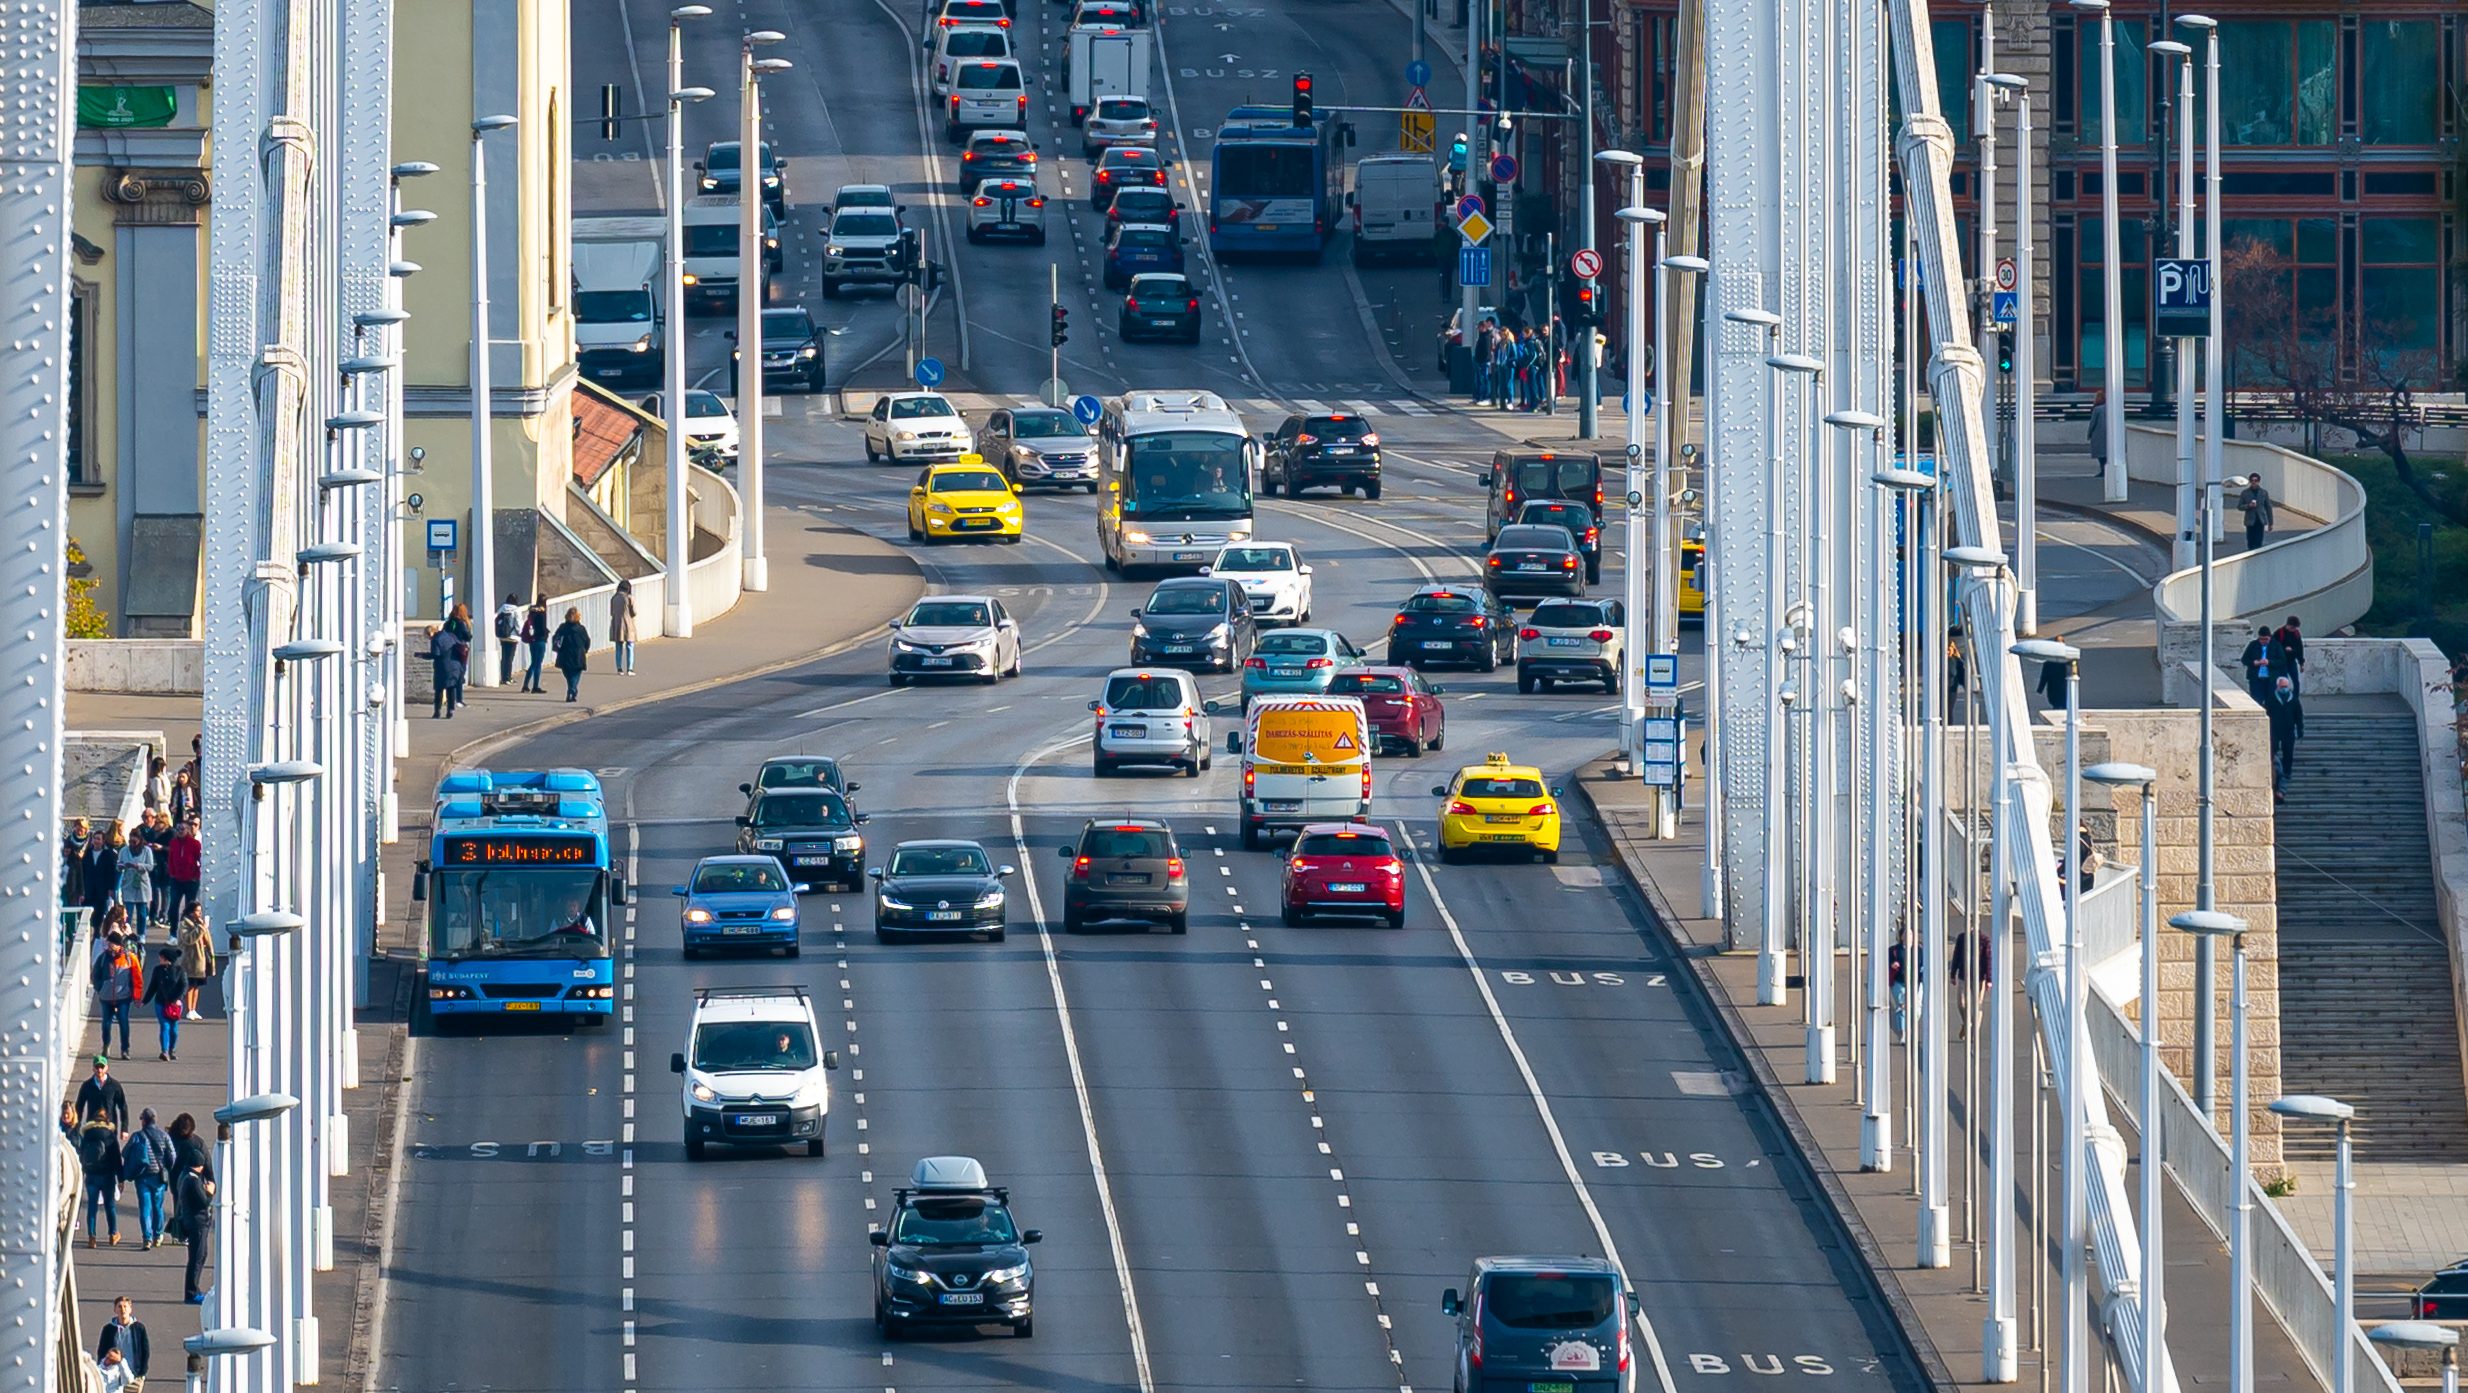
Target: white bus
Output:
[{"x": 1177, "y": 468}]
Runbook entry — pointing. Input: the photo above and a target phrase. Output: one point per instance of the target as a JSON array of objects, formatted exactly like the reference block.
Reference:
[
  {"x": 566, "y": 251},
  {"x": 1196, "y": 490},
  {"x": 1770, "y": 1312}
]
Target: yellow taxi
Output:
[
  {"x": 1692, "y": 577},
  {"x": 967, "y": 499},
  {"x": 1496, "y": 804}
]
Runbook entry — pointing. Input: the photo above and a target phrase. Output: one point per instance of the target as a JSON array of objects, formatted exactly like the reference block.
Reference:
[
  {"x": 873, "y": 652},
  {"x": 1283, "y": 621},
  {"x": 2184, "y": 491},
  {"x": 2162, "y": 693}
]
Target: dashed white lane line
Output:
[{"x": 625, "y": 1210}]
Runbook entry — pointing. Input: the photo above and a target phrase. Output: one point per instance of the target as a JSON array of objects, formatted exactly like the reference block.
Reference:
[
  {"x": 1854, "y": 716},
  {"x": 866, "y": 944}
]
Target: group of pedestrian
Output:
[
  {"x": 525, "y": 639},
  {"x": 2274, "y": 663},
  {"x": 171, "y": 1169},
  {"x": 1518, "y": 370}
]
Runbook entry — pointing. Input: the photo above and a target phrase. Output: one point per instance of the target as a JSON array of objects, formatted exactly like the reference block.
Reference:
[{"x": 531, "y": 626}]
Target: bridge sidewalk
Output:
[
  {"x": 831, "y": 588},
  {"x": 1937, "y": 1309}
]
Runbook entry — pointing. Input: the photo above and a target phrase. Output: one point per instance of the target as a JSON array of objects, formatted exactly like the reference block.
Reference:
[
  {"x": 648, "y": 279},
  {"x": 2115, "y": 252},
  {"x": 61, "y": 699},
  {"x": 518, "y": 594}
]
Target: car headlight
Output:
[
  {"x": 833, "y": 250},
  {"x": 1220, "y": 633},
  {"x": 901, "y": 645},
  {"x": 771, "y": 181},
  {"x": 808, "y": 351},
  {"x": 771, "y": 244},
  {"x": 689, "y": 278},
  {"x": 1010, "y": 505},
  {"x": 1012, "y": 1273},
  {"x": 848, "y": 844},
  {"x": 786, "y": 913},
  {"x": 1138, "y": 629},
  {"x": 887, "y": 902},
  {"x": 704, "y": 1094},
  {"x": 698, "y": 916},
  {"x": 898, "y": 1273},
  {"x": 939, "y": 509},
  {"x": 1135, "y": 536},
  {"x": 991, "y": 899},
  {"x": 767, "y": 844},
  {"x": 643, "y": 344},
  {"x": 710, "y": 183}
]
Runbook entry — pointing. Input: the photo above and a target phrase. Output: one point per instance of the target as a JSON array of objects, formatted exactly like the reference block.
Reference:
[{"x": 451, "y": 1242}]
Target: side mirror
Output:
[
  {"x": 831, "y": 1059},
  {"x": 1096, "y": 706},
  {"x": 1213, "y": 708},
  {"x": 1439, "y": 790},
  {"x": 729, "y": 334},
  {"x": 1233, "y": 742},
  {"x": 1205, "y": 570},
  {"x": 1635, "y": 1306},
  {"x": 1032, "y": 1236},
  {"x": 1006, "y": 872},
  {"x": 677, "y": 890},
  {"x": 1439, "y": 691},
  {"x": 1306, "y": 570},
  {"x": 1015, "y": 488},
  {"x": 874, "y": 872},
  {"x": 745, "y": 788},
  {"x": 895, "y": 623},
  {"x": 744, "y": 821},
  {"x": 864, "y": 818},
  {"x": 419, "y": 886},
  {"x": 1063, "y": 851},
  {"x": 801, "y": 888},
  {"x": 1557, "y": 794},
  {"x": 878, "y": 1238},
  {"x": 1135, "y": 611},
  {"x": 676, "y": 1063},
  {"x": 1449, "y": 1304}
]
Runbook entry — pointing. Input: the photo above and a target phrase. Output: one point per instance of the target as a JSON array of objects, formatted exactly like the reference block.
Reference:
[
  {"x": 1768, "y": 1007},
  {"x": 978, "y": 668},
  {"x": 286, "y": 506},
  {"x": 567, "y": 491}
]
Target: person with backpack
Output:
[
  {"x": 509, "y": 632},
  {"x": 98, "y": 1157},
  {"x": 167, "y": 989},
  {"x": 184, "y": 858},
  {"x": 535, "y": 640},
  {"x": 146, "y": 1161},
  {"x": 119, "y": 981}
]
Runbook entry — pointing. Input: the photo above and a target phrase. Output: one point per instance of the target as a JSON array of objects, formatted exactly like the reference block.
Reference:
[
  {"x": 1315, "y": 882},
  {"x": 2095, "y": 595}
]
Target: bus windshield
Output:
[
  {"x": 1266, "y": 169},
  {"x": 1181, "y": 476},
  {"x": 504, "y": 912}
]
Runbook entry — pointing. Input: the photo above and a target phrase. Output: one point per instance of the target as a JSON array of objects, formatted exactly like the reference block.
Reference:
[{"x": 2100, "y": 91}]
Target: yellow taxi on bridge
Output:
[
  {"x": 967, "y": 499},
  {"x": 1497, "y": 805}
]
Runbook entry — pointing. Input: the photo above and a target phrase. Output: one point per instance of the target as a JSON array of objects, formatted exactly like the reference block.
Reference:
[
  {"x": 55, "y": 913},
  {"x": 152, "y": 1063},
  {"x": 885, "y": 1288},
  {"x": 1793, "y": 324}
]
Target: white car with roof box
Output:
[
  {"x": 754, "y": 1072},
  {"x": 1007, "y": 208}
]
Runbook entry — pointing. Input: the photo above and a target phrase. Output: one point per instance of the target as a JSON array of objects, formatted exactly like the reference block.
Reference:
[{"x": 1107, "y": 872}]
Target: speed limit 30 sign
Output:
[{"x": 1586, "y": 263}]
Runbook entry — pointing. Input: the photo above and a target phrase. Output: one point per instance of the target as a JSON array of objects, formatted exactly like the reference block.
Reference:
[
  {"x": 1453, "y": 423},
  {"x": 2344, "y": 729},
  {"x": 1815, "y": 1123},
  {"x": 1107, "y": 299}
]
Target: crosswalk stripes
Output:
[{"x": 1311, "y": 407}]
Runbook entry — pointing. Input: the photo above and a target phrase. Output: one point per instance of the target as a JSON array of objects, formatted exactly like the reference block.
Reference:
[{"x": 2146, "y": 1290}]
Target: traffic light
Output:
[
  {"x": 903, "y": 256},
  {"x": 2005, "y": 352},
  {"x": 1587, "y": 301},
  {"x": 1062, "y": 326},
  {"x": 1302, "y": 99}
]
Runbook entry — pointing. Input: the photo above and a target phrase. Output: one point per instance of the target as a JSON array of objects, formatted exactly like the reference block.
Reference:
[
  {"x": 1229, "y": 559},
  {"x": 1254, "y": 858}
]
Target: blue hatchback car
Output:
[
  {"x": 738, "y": 902},
  {"x": 1132, "y": 248},
  {"x": 1297, "y": 662}
]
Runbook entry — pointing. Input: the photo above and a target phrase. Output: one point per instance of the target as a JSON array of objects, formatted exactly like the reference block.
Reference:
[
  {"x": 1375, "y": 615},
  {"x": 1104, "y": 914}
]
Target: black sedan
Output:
[
  {"x": 1452, "y": 624},
  {"x": 792, "y": 350},
  {"x": 1530, "y": 559},
  {"x": 939, "y": 887},
  {"x": 1336, "y": 451},
  {"x": 1194, "y": 622},
  {"x": 1578, "y": 518},
  {"x": 1161, "y": 305},
  {"x": 812, "y": 831}
]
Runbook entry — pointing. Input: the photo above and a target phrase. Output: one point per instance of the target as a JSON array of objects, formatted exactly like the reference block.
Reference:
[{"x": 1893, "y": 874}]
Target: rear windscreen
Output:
[
  {"x": 1334, "y": 844},
  {"x": 1500, "y": 786},
  {"x": 1566, "y": 477},
  {"x": 1566, "y": 616},
  {"x": 1549, "y": 1300},
  {"x": 1336, "y": 427},
  {"x": 1102, "y": 842},
  {"x": 1535, "y": 538},
  {"x": 1143, "y": 693},
  {"x": 1366, "y": 684},
  {"x": 978, "y": 43},
  {"x": 990, "y": 77},
  {"x": 1443, "y": 604}
]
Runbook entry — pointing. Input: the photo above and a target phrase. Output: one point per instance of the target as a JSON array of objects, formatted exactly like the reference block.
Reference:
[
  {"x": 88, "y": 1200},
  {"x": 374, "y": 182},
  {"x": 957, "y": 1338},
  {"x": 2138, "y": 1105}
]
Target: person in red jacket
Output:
[{"x": 182, "y": 857}]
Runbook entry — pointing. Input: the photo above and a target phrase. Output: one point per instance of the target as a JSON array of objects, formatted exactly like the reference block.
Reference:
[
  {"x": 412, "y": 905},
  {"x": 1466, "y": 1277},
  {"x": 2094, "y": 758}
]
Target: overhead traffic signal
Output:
[
  {"x": 1302, "y": 99},
  {"x": 1587, "y": 302},
  {"x": 1062, "y": 326}
]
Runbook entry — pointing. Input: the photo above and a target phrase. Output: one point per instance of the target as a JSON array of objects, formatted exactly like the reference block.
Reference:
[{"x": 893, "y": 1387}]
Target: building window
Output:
[
  {"x": 2402, "y": 81},
  {"x": 82, "y": 471},
  {"x": 2133, "y": 83},
  {"x": 2133, "y": 248},
  {"x": 1957, "y": 58},
  {"x": 2399, "y": 293},
  {"x": 2302, "y": 256},
  {"x": 2279, "y": 82}
]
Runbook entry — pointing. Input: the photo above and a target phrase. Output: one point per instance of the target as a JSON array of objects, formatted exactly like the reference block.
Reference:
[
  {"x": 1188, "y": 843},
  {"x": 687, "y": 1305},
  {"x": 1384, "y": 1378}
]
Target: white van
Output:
[
  {"x": 963, "y": 43},
  {"x": 1152, "y": 715},
  {"x": 711, "y": 262},
  {"x": 1395, "y": 200},
  {"x": 1305, "y": 759},
  {"x": 985, "y": 92},
  {"x": 753, "y": 1070}
]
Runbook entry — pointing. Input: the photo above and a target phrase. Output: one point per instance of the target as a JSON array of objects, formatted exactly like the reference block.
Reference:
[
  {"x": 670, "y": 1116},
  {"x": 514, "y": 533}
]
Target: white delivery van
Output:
[
  {"x": 711, "y": 260},
  {"x": 753, "y": 1070},
  {"x": 1104, "y": 60},
  {"x": 617, "y": 312},
  {"x": 1395, "y": 199},
  {"x": 1305, "y": 759},
  {"x": 985, "y": 92}
]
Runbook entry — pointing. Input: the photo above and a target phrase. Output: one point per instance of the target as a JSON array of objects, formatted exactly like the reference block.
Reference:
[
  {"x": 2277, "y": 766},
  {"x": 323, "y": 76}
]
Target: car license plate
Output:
[
  {"x": 1006, "y": 227},
  {"x": 939, "y": 662},
  {"x": 1561, "y": 1387},
  {"x": 1350, "y": 887},
  {"x": 1180, "y": 648},
  {"x": 943, "y": 916},
  {"x": 810, "y": 860},
  {"x": 1503, "y": 837},
  {"x": 1190, "y": 556},
  {"x": 1502, "y": 817},
  {"x": 1161, "y": 324},
  {"x": 1340, "y": 449},
  {"x": 522, "y": 1006},
  {"x": 1529, "y": 565},
  {"x": 1283, "y": 805},
  {"x": 741, "y": 928},
  {"x": 1126, "y": 878},
  {"x": 753, "y": 1119},
  {"x": 1268, "y": 227},
  {"x": 966, "y": 1298},
  {"x": 1285, "y": 673},
  {"x": 1127, "y": 732},
  {"x": 1567, "y": 642}
]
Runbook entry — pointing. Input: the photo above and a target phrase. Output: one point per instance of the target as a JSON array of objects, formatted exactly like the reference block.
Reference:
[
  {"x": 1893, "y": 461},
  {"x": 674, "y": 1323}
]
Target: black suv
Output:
[
  {"x": 950, "y": 1254},
  {"x": 1580, "y": 522},
  {"x": 811, "y": 830},
  {"x": 1125, "y": 868},
  {"x": 1521, "y": 475},
  {"x": 792, "y": 351},
  {"x": 1531, "y": 559},
  {"x": 1452, "y": 624},
  {"x": 1310, "y": 452}
]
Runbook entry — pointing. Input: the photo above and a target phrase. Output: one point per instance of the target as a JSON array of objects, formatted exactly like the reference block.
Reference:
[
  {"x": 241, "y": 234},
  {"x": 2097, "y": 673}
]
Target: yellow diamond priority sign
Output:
[{"x": 1475, "y": 228}]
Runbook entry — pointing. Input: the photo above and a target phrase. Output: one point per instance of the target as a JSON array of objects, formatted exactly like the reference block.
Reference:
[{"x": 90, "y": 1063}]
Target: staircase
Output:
[{"x": 2365, "y": 1000}]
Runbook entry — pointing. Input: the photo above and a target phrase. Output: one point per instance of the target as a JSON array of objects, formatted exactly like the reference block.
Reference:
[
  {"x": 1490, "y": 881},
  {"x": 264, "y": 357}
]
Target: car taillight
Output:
[
  {"x": 1541, "y": 810},
  {"x": 1105, "y": 176},
  {"x": 1512, "y": 498},
  {"x": 1366, "y": 783},
  {"x": 1079, "y": 868},
  {"x": 1306, "y": 439},
  {"x": 1568, "y": 563},
  {"x": 1173, "y": 868},
  {"x": 1458, "y": 807},
  {"x": 1593, "y": 534},
  {"x": 1031, "y": 156},
  {"x": 985, "y": 203},
  {"x": 1036, "y": 203},
  {"x": 1247, "y": 778},
  {"x": 1297, "y": 864},
  {"x": 967, "y": 155},
  {"x": 1393, "y": 866},
  {"x": 1597, "y": 487},
  {"x": 1372, "y": 439},
  {"x": 1600, "y": 635},
  {"x": 1131, "y": 302},
  {"x": 1023, "y": 101},
  {"x": 1623, "y": 1347},
  {"x": 1474, "y": 1351},
  {"x": 1495, "y": 563},
  {"x": 955, "y": 101},
  {"x": 1261, "y": 663},
  {"x": 1399, "y": 620},
  {"x": 1482, "y": 621},
  {"x": 1321, "y": 662},
  {"x": 1529, "y": 633}
]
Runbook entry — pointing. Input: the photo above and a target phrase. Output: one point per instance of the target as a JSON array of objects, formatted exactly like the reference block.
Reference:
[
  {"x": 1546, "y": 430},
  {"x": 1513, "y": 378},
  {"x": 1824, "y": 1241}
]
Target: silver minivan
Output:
[{"x": 1153, "y": 716}]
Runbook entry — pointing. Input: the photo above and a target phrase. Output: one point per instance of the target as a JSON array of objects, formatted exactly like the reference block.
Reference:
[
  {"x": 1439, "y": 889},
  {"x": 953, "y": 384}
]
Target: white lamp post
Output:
[
  {"x": 2112, "y": 278},
  {"x": 483, "y": 540},
  {"x": 677, "y": 610},
  {"x": 1813, "y": 871},
  {"x": 1820, "y": 1037},
  {"x": 2181, "y": 555},
  {"x": 2071, "y": 1238},
  {"x": 2207, "y": 525},
  {"x": 751, "y": 169},
  {"x": 2211, "y": 923},
  {"x": 2154, "y": 1146},
  {"x": 1877, "y": 1121},
  {"x": 2309, "y": 1107},
  {"x": 1771, "y": 929}
]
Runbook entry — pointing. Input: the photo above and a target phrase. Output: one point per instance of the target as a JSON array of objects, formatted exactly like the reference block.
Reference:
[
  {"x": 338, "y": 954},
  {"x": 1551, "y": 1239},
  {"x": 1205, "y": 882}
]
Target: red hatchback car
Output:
[
  {"x": 1344, "y": 868},
  {"x": 1405, "y": 709}
]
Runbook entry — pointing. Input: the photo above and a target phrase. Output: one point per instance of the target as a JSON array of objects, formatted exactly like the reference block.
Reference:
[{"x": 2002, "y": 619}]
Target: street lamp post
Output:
[
  {"x": 2423, "y": 1334},
  {"x": 2154, "y": 1148},
  {"x": 751, "y": 169},
  {"x": 2026, "y": 363},
  {"x": 2213, "y": 924},
  {"x": 1935, "y": 997},
  {"x": 1826, "y": 697},
  {"x": 2311, "y": 1107},
  {"x": 1877, "y": 1061},
  {"x": 677, "y": 617},
  {"x": 2072, "y": 1239},
  {"x": 1771, "y": 925},
  {"x": 2206, "y": 527},
  {"x": 1814, "y": 926},
  {"x": 2112, "y": 277},
  {"x": 483, "y": 540},
  {"x": 2181, "y": 554},
  {"x": 1633, "y": 582},
  {"x": 1984, "y": 130}
]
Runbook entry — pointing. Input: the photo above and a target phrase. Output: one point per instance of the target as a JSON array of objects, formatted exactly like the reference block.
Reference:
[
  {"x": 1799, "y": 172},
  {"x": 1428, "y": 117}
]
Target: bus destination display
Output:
[{"x": 519, "y": 851}]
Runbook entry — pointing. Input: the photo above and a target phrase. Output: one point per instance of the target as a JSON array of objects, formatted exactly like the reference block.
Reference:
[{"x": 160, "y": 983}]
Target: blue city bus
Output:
[
  {"x": 519, "y": 887},
  {"x": 1273, "y": 186}
]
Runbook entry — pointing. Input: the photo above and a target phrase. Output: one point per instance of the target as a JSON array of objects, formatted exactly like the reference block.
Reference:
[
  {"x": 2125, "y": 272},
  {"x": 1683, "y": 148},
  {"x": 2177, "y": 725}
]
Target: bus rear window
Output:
[{"x": 1264, "y": 170}]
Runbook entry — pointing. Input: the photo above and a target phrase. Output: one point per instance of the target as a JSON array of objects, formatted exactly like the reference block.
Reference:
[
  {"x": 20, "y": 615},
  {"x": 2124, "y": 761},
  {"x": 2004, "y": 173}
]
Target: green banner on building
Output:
[{"x": 113, "y": 107}]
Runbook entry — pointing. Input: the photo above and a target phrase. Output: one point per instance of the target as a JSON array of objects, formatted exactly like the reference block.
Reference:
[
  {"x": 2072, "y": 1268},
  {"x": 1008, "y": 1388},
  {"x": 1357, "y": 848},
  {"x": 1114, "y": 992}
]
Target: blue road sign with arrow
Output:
[
  {"x": 1473, "y": 266},
  {"x": 1417, "y": 73},
  {"x": 1087, "y": 409},
  {"x": 929, "y": 372}
]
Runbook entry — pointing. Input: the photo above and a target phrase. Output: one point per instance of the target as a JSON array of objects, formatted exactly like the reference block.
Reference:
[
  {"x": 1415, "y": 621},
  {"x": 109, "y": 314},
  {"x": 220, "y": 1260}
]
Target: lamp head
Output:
[
  {"x": 689, "y": 94},
  {"x": 2206, "y": 22},
  {"x": 229, "y": 1339},
  {"x": 690, "y": 12},
  {"x": 372, "y": 319},
  {"x": 359, "y": 420},
  {"x": 1904, "y": 480},
  {"x": 1975, "y": 558},
  {"x": 2413, "y": 1334},
  {"x": 765, "y": 36},
  {"x": 1697, "y": 264},
  {"x": 2100, "y": 5},
  {"x": 1762, "y": 319},
  {"x": 485, "y": 124},
  {"x": 1798, "y": 363},
  {"x": 2007, "y": 82},
  {"x": 2046, "y": 650},
  {"x": 2118, "y": 774},
  {"x": 257, "y": 1108},
  {"x": 401, "y": 269},
  {"x": 2172, "y": 48},
  {"x": 2210, "y": 923},
  {"x": 1625, "y": 158},
  {"x": 765, "y": 67},
  {"x": 1855, "y": 420},
  {"x": 413, "y": 169},
  {"x": 412, "y": 217},
  {"x": 2313, "y": 1107}
]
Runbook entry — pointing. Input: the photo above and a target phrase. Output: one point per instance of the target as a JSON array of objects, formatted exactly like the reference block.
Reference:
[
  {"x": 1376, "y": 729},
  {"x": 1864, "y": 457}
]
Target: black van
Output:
[
  {"x": 1520, "y": 475},
  {"x": 1542, "y": 1325}
]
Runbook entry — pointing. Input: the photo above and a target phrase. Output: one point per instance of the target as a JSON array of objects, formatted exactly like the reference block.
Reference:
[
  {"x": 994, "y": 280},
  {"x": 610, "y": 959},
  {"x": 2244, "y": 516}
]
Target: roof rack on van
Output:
[
  {"x": 1173, "y": 401},
  {"x": 749, "y": 993}
]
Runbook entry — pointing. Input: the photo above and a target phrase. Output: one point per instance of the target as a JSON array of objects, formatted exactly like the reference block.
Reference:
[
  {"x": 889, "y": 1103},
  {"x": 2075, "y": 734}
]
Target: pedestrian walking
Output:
[
  {"x": 535, "y": 641},
  {"x": 194, "y": 1192},
  {"x": 2291, "y": 640},
  {"x": 196, "y": 957},
  {"x": 2255, "y": 503},
  {"x": 2054, "y": 677},
  {"x": 1970, "y": 947},
  {"x": 2099, "y": 429},
  {"x": 1957, "y": 673},
  {"x": 183, "y": 794},
  {"x": 137, "y": 882},
  {"x": 98, "y": 1157},
  {"x": 2287, "y": 715},
  {"x": 158, "y": 784},
  {"x": 72, "y": 857},
  {"x": 68, "y": 1121},
  {"x": 101, "y": 1097},
  {"x": 145, "y": 1161},
  {"x": 621, "y": 625},
  {"x": 119, "y": 978},
  {"x": 508, "y": 629},
  {"x": 573, "y": 644},
  {"x": 1481, "y": 343},
  {"x": 157, "y": 832},
  {"x": 98, "y": 872},
  {"x": 125, "y": 1333},
  {"x": 2264, "y": 664},
  {"x": 114, "y": 1370},
  {"x": 184, "y": 858},
  {"x": 167, "y": 990},
  {"x": 448, "y": 663},
  {"x": 1895, "y": 985}
]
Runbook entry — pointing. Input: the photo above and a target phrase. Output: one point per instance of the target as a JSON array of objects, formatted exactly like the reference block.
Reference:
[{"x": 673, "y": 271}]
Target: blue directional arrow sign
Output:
[
  {"x": 1087, "y": 409},
  {"x": 1473, "y": 266},
  {"x": 929, "y": 372},
  {"x": 1417, "y": 73}
]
